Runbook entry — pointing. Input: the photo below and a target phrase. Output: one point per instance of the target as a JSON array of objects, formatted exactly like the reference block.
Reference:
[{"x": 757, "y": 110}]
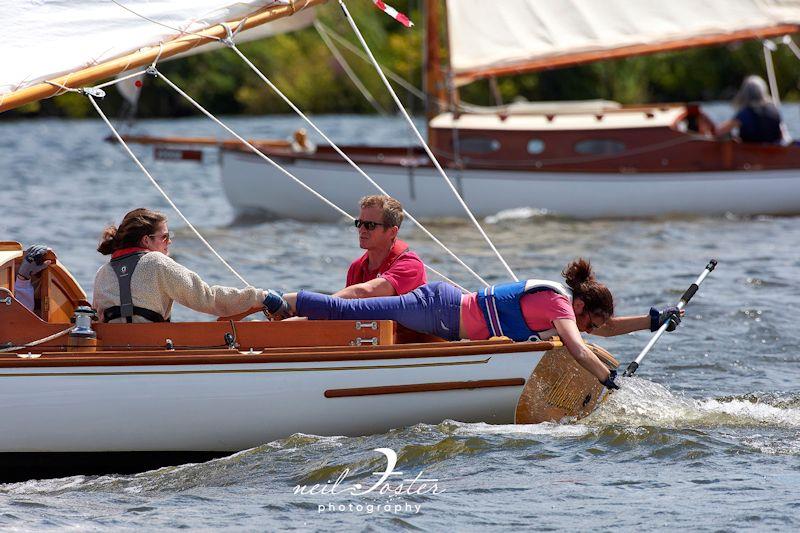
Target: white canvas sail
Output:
[
  {"x": 522, "y": 35},
  {"x": 44, "y": 40}
]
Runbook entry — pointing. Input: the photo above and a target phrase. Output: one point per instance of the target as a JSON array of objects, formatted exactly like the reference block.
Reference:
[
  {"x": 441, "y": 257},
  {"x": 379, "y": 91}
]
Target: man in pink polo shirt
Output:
[{"x": 388, "y": 268}]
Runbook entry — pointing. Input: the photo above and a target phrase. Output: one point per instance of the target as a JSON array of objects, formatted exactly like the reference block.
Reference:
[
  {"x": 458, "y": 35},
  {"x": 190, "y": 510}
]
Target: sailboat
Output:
[
  {"x": 82, "y": 396},
  {"x": 588, "y": 159}
]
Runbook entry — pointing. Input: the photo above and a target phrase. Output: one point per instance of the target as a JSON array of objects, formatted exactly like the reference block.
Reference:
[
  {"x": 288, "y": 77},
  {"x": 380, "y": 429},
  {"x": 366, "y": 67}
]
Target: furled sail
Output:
[
  {"x": 512, "y": 36},
  {"x": 50, "y": 40}
]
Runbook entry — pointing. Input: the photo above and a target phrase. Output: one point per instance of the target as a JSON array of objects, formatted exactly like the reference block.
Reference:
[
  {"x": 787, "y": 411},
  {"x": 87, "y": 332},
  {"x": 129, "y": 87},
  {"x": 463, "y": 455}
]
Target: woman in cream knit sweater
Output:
[{"x": 139, "y": 250}]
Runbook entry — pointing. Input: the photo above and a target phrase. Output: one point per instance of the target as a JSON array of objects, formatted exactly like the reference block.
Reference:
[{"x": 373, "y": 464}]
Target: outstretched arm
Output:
[
  {"x": 571, "y": 337},
  {"x": 619, "y": 325}
]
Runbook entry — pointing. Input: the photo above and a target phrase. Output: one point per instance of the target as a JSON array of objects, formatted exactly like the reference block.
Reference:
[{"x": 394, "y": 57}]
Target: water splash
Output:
[
  {"x": 643, "y": 403},
  {"x": 519, "y": 213}
]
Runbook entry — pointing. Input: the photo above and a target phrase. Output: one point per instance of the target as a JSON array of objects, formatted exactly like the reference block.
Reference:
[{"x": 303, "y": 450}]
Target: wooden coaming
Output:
[{"x": 272, "y": 355}]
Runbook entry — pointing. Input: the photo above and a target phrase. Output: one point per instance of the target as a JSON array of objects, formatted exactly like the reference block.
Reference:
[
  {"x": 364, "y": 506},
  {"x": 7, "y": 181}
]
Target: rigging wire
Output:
[
  {"x": 349, "y": 71},
  {"x": 349, "y": 160},
  {"x": 769, "y": 47},
  {"x": 163, "y": 193},
  {"x": 420, "y": 139},
  {"x": 349, "y": 46},
  {"x": 296, "y": 179}
]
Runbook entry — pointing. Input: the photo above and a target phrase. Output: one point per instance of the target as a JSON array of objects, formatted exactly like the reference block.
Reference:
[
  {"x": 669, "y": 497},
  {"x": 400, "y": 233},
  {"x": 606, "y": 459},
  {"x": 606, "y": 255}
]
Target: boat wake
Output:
[
  {"x": 644, "y": 403},
  {"x": 518, "y": 213}
]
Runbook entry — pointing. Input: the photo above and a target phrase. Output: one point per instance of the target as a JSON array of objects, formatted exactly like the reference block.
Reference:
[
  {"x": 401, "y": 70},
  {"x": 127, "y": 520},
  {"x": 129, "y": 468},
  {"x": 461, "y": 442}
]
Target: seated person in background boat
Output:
[
  {"x": 141, "y": 281},
  {"x": 757, "y": 119},
  {"x": 388, "y": 267},
  {"x": 33, "y": 263},
  {"x": 533, "y": 309}
]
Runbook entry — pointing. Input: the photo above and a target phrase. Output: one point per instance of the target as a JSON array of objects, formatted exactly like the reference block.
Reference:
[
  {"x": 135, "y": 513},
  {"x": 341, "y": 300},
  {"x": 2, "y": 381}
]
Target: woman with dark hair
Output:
[
  {"x": 757, "y": 119},
  {"x": 532, "y": 309},
  {"x": 141, "y": 281}
]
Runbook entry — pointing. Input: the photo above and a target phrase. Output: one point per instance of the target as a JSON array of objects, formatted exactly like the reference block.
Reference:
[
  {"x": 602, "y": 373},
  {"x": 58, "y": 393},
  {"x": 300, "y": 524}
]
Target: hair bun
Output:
[
  {"x": 578, "y": 273},
  {"x": 107, "y": 239}
]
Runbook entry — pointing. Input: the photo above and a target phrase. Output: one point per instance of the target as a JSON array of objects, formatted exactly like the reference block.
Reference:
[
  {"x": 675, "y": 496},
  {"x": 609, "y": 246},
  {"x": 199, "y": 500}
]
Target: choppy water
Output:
[{"x": 707, "y": 436}]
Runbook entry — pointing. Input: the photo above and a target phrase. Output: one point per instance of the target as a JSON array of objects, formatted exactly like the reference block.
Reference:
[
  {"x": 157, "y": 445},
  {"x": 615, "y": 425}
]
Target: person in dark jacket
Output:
[{"x": 757, "y": 120}]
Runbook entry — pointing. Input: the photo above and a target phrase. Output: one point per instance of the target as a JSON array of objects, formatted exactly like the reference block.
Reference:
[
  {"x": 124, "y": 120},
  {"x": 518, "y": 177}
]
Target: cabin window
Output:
[
  {"x": 479, "y": 145},
  {"x": 535, "y": 146},
  {"x": 599, "y": 147}
]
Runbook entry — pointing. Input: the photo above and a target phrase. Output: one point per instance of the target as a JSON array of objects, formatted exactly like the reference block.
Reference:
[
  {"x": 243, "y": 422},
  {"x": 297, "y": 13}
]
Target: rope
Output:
[
  {"x": 296, "y": 179},
  {"x": 350, "y": 161},
  {"x": 163, "y": 193},
  {"x": 117, "y": 80},
  {"x": 37, "y": 342},
  {"x": 769, "y": 46},
  {"x": 350, "y": 74},
  {"x": 63, "y": 88},
  {"x": 420, "y": 139}
]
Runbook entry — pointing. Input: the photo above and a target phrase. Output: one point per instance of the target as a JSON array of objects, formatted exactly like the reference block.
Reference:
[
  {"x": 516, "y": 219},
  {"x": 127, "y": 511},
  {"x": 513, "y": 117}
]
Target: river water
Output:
[{"x": 707, "y": 436}]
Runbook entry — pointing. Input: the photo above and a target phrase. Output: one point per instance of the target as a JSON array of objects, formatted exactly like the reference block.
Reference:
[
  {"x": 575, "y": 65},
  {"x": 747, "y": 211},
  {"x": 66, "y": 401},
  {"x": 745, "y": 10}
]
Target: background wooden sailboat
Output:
[{"x": 579, "y": 159}]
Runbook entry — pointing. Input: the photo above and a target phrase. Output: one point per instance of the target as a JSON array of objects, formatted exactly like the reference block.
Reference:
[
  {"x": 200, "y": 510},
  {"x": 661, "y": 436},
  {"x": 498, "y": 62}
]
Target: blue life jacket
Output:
[{"x": 503, "y": 312}]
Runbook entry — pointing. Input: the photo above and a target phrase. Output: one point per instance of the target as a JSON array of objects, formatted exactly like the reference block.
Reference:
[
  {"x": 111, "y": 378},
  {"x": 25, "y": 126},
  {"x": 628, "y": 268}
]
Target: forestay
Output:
[
  {"x": 522, "y": 35},
  {"x": 43, "y": 40}
]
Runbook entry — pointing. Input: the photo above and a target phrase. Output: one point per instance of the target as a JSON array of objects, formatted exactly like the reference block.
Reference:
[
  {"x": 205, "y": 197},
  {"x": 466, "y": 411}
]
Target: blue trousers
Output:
[{"x": 433, "y": 308}]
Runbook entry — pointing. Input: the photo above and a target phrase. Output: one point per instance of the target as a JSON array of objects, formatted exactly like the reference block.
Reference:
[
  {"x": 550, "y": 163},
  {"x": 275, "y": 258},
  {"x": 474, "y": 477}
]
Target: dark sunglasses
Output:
[
  {"x": 592, "y": 325},
  {"x": 165, "y": 237},
  {"x": 369, "y": 224}
]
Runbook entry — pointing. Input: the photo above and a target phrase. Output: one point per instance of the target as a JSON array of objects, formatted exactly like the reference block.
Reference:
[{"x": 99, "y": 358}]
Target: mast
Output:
[{"x": 434, "y": 84}]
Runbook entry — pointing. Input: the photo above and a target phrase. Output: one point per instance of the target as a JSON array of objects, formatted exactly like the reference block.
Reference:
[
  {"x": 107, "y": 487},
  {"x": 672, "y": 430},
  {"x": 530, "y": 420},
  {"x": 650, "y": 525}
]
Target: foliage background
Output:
[{"x": 301, "y": 65}]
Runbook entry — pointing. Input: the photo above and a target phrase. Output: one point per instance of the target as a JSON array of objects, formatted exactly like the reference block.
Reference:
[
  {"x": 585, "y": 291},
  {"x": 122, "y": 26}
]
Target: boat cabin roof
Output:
[
  {"x": 567, "y": 107},
  {"x": 609, "y": 119}
]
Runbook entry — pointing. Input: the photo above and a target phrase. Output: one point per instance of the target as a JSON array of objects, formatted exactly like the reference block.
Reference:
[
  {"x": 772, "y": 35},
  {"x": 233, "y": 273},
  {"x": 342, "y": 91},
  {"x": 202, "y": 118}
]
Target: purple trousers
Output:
[{"x": 433, "y": 308}]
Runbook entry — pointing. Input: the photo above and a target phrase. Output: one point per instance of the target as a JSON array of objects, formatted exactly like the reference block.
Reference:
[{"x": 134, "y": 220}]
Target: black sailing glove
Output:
[
  {"x": 659, "y": 316},
  {"x": 276, "y": 306},
  {"x": 609, "y": 383}
]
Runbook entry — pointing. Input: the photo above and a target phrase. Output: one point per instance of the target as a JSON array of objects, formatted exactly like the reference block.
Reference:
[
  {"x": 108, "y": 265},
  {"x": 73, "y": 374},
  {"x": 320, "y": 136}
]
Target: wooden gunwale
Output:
[
  {"x": 683, "y": 156},
  {"x": 569, "y": 60},
  {"x": 279, "y": 355},
  {"x": 424, "y": 387}
]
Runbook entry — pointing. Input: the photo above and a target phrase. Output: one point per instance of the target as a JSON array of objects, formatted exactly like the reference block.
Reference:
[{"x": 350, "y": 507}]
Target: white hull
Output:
[
  {"x": 252, "y": 185},
  {"x": 227, "y": 407}
]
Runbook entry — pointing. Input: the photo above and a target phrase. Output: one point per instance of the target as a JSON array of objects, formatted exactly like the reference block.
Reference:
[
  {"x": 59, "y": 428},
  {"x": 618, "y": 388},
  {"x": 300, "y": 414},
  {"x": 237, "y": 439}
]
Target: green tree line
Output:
[{"x": 301, "y": 65}]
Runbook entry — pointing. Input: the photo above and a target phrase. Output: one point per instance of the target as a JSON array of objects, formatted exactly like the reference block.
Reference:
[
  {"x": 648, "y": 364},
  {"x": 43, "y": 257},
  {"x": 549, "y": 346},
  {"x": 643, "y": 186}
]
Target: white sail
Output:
[
  {"x": 530, "y": 34},
  {"x": 43, "y": 40}
]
